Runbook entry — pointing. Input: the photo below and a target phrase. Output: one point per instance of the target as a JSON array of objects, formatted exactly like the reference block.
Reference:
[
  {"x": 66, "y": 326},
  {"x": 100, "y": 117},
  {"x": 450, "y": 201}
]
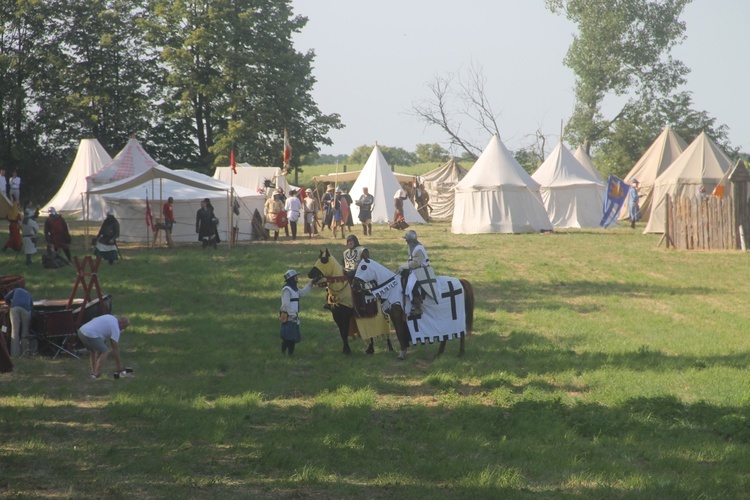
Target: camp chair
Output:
[{"x": 57, "y": 330}]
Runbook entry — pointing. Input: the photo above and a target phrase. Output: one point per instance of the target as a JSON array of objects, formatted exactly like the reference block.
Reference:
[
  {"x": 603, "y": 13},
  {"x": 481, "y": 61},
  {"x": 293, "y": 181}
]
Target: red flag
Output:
[
  {"x": 149, "y": 217},
  {"x": 232, "y": 162},
  {"x": 287, "y": 150}
]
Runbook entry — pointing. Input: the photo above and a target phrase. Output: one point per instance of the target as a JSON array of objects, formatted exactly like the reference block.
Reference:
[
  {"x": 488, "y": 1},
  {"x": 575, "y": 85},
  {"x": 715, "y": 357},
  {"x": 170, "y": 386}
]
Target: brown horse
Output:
[{"x": 386, "y": 285}]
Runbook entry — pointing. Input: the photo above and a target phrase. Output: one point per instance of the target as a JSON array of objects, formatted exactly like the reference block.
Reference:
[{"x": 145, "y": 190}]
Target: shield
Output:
[
  {"x": 280, "y": 219},
  {"x": 427, "y": 280},
  {"x": 344, "y": 210}
]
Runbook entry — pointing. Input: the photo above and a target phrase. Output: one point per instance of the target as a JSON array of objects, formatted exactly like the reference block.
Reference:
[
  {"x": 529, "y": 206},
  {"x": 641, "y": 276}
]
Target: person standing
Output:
[
  {"x": 272, "y": 208},
  {"x": 29, "y": 231},
  {"x": 289, "y": 311},
  {"x": 106, "y": 238},
  {"x": 207, "y": 224},
  {"x": 349, "y": 222},
  {"x": 282, "y": 199},
  {"x": 365, "y": 203},
  {"x": 15, "y": 186},
  {"x": 21, "y": 305},
  {"x": 311, "y": 214},
  {"x": 94, "y": 336},
  {"x": 398, "y": 211},
  {"x": 56, "y": 232},
  {"x": 293, "y": 209},
  {"x": 633, "y": 202},
  {"x": 14, "y": 218},
  {"x": 338, "y": 216},
  {"x": 327, "y": 202},
  {"x": 3, "y": 183},
  {"x": 168, "y": 213}
]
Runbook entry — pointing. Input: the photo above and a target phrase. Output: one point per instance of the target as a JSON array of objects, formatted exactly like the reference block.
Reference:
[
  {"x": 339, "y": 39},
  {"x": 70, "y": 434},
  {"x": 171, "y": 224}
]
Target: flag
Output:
[
  {"x": 287, "y": 150},
  {"x": 149, "y": 216},
  {"x": 617, "y": 191},
  {"x": 722, "y": 185},
  {"x": 232, "y": 163}
]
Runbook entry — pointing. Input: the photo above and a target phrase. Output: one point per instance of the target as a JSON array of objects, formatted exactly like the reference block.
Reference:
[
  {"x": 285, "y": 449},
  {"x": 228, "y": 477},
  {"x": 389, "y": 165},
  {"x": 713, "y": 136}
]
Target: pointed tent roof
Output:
[
  {"x": 658, "y": 157},
  {"x": 377, "y": 177},
  {"x": 498, "y": 196},
  {"x": 439, "y": 184},
  {"x": 702, "y": 163},
  {"x": 89, "y": 160},
  {"x": 132, "y": 160},
  {"x": 585, "y": 160},
  {"x": 572, "y": 195},
  {"x": 253, "y": 177}
]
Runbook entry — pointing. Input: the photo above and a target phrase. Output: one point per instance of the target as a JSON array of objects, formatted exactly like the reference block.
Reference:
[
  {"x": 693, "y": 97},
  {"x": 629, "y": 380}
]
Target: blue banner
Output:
[{"x": 617, "y": 191}]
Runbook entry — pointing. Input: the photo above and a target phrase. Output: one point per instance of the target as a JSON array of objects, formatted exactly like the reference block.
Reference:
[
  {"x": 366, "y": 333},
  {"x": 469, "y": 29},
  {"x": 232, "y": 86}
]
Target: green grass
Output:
[
  {"x": 310, "y": 171},
  {"x": 601, "y": 366}
]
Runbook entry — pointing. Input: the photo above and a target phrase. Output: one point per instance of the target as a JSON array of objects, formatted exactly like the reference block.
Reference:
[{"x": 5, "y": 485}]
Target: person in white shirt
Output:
[
  {"x": 293, "y": 209},
  {"x": 289, "y": 311},
  {"x": 15, "y": 186},
  {"x": 3, "y": 183},
  {"x": 94, "y": 336}
]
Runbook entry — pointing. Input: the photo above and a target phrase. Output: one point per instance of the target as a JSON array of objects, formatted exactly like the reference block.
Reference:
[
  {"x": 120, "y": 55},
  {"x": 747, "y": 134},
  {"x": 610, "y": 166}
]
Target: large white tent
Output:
[
  {"x": 127, "y": 198},
  {"x": 572, "y": 196},
  {"x": 90, "y": 159},
  {"x": 498, "y": 196},
  {"x": 132, "y": 160},
  {"x": 658, "y": 157},
  {"x": 254, "y": 178},
  {"x": 702, "y": 163},
  {"x": 439, "y": 184},
  {"x": 377, "y": 177},
  {"x": 585, "y": 160}
]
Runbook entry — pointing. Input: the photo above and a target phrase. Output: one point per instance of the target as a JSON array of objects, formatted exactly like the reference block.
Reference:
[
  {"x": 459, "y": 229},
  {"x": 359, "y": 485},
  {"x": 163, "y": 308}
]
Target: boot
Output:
[{"x": 632, "y": 224}]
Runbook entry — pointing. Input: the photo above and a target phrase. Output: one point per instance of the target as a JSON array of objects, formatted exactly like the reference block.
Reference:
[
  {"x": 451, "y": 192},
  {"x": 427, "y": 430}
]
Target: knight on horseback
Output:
[
  {"x": 417, "y": 273},
  {"x": 352, "y": 256}
]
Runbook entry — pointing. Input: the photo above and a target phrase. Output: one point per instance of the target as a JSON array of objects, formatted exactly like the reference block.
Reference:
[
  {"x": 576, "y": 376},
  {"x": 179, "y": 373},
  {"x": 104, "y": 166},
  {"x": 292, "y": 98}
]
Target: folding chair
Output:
[{"x": 57, "y": 330}]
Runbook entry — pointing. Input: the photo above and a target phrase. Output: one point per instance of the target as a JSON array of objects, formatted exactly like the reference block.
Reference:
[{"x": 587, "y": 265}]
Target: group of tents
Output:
[
  {"x": 567, "y": 191},
  {"x": 495, "y": 196}
]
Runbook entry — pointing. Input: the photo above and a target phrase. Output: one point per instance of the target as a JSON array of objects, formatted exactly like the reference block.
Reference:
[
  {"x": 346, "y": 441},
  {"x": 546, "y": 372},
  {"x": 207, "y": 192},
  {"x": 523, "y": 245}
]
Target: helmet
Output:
[
  {"x": 411, "y": 235},
  {"x": 290, "y": 274}
]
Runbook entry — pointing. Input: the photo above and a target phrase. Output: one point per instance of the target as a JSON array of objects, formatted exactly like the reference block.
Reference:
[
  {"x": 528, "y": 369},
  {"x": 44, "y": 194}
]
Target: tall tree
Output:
[{"x": 622, "y": 48}]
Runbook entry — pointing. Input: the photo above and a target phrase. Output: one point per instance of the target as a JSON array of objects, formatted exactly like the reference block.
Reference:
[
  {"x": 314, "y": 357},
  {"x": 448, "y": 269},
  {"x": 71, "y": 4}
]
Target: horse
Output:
[
  {"x": 451, "y": 317},
  {"x": 350, "y": 320}
]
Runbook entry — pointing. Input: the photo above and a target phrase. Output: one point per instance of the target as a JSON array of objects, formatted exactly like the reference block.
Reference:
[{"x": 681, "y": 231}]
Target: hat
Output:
[
  {"x": 110, "y": 212},
  {"x": 634, "y": 181},
  {"x": 52, "y": 211},
  {"x": 329, "y": 188},
  {"x": 290, "y": 274}
]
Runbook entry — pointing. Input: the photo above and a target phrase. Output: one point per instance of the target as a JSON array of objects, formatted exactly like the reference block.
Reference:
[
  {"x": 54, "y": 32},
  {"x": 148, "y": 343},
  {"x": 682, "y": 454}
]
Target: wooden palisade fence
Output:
[{"x": 711, "y": 222}]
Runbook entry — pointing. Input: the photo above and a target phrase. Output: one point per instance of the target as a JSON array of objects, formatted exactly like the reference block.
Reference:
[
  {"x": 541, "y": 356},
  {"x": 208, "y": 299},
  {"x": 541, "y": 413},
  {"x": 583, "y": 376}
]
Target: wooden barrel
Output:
[{"x": 8, "y": 283}]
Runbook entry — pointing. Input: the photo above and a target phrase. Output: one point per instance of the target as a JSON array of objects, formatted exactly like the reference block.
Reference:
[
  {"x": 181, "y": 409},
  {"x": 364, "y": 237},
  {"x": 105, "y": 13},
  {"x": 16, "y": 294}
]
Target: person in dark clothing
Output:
[
  {"x": 106, "y": 239},
  {"x": 56, "y": 232},
  {"x": 207, "y": 225}
]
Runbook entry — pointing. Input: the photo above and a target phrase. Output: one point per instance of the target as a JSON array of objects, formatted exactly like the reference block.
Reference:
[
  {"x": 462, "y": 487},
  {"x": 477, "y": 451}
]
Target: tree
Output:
[
  {"x": 236, "y": 74},
  {"x": 623, "y": 49},
  {"x": 427, "y": 153},
  {"x": 394, "y": 156}
]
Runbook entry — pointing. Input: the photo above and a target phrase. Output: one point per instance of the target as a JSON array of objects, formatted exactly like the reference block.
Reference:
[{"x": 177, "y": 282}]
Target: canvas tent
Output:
[
  {"x": 585, "y": 160},
  {"x": 498, "y": 196},
  {"x": 382, "y": 184},
  {"x": 89, "y": 160},
  {"x": 572, "y": 196},
  {"x": 127, "y": 198},
  {"x": 439, "y": 184},
  {"x": 253, "y": 178},
  {"x": 702, "y": 163},
  {"x": 658, "y": 157},
  {"x": 132, "y": 160}
]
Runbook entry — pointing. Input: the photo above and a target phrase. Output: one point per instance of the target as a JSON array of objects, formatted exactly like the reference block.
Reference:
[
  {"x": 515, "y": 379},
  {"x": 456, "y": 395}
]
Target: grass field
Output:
[{"x": 601, "y": 366}]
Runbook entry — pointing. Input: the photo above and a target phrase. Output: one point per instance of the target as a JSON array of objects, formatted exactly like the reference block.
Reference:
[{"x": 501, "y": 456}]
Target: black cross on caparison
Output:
[{"x": 453, "y": 293}]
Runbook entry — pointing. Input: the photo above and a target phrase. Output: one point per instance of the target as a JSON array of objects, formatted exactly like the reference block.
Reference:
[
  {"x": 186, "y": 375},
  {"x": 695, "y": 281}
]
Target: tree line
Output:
[{"x": 191, "y": 80}]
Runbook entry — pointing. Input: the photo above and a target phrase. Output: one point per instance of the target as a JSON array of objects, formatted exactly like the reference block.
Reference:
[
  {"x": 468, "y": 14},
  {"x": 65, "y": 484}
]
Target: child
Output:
[{"x": 289, "y": 312}]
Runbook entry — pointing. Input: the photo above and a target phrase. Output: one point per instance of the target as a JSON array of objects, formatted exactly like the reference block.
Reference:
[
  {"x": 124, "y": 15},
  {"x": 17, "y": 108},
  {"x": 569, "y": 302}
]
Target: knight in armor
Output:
[
  {"x": 417, "y": 259},
  {"x": 289, "y": 311},
  {"x": 352, "y": 256}
]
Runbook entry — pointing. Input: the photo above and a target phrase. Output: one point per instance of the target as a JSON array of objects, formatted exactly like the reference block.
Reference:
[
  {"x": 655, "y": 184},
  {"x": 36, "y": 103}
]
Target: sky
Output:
[{"x": 376, "y": 59}]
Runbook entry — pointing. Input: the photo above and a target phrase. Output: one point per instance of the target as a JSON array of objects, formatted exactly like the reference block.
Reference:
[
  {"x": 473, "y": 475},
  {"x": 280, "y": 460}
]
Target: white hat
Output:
[
  {"x": 290, "y": 274},
  {"x": 52, "y": 210},
  {"x": 110, "y": 212}
]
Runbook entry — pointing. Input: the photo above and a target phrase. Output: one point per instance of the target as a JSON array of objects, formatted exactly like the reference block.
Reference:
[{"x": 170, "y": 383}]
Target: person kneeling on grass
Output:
[
  {"x": 289, "y": 311},
  {"x": 94, "y": 335}
]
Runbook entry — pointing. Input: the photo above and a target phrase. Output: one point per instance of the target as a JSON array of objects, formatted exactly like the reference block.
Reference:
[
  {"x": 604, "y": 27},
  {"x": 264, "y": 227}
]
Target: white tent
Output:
[
  {"x": 439, "y": 184},
  {"x": 89, "y": 160},
  {"x": 658, "y": 157},
  {"x": 702, "y": 163},
  {"x": 498, "y": 196},
  {"x": 132, "y": 160},
  {"x": 127, "y": 198},
  {"x": 377, "y": 177},
  {"x": 572, "y": 195},
  {"x": 351, "y": 176},
  {"x": 253, "y": 178},
  {"x": 585, "y": 160}
]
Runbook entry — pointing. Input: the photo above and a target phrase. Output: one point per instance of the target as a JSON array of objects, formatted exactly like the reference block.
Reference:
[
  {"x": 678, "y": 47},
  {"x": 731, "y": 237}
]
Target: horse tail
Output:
[{"x": 468, "y": 305}]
